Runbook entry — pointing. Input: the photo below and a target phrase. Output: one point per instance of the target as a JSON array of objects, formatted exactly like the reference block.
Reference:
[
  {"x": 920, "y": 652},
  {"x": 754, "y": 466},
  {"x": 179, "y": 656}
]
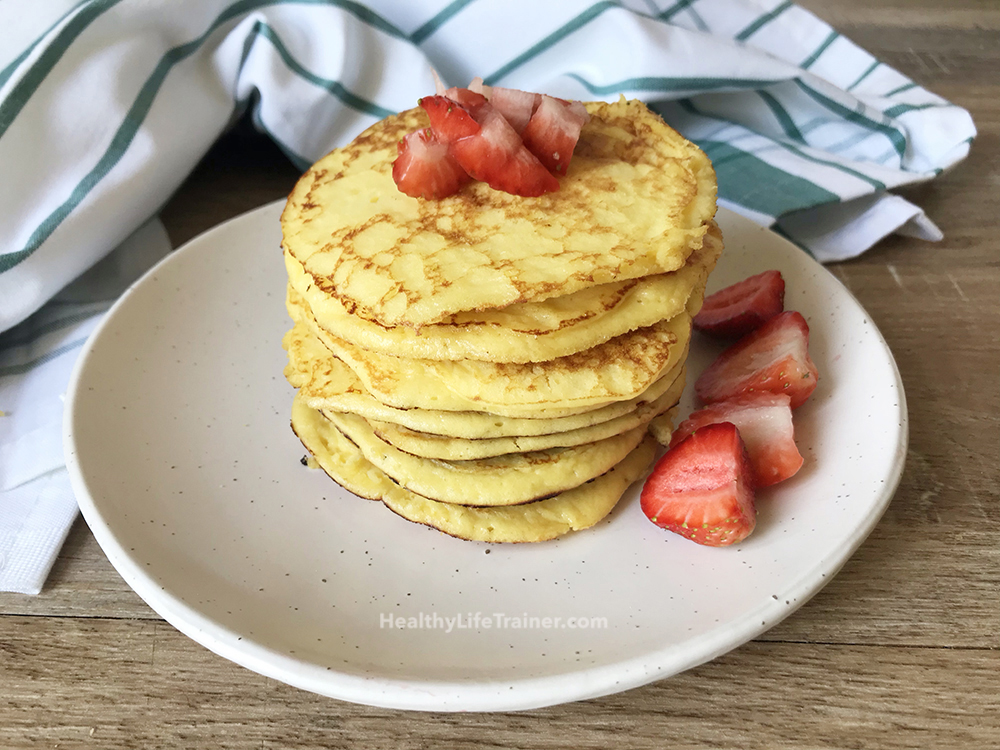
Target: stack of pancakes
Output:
[{"x": 494, "y": 366}]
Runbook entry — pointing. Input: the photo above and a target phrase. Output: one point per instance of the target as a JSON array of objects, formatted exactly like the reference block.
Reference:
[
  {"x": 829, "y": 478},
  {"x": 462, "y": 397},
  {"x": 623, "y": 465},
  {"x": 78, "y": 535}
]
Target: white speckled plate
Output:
[{"x": 178, "y": 444}]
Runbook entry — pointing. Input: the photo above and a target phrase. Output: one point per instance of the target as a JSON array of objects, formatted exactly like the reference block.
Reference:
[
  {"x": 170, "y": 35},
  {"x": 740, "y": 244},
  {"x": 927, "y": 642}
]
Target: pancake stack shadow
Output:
[{"x": 496, "y": 367}]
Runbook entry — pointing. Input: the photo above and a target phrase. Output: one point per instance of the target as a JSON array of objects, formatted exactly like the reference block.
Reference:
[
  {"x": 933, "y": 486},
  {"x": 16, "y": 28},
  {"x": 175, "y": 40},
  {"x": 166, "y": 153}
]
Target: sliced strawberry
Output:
[
  {"x": 466, "y": 97},
  {"x": 425, "y": 169},
  {"x": 702, "y": 488},
  {"x": 765, "y": 424},
  {"x": 742, "y": 307},
  {"x": 553, "y": 130},
  {"x": 449, "y": 119},
  {"x": 773, "y": 358},
  {"x": 497, "y": 156},
  {"x": 515, "y": 105}
]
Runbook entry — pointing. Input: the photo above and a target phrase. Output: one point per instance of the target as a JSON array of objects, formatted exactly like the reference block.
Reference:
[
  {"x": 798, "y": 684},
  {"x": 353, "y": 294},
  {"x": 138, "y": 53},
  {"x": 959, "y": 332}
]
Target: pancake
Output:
[
  {"x": 573, "y": 510},
  {"x": 426, "y": 445},
  {"x": 618, "y": 370},
  {"x": 494, "y": 366},
  {"x": 510, "y": 479},
  {"x": 326, "y": 383},
  {"x": 526, "y": 331},
  {"x": 636, "y": 201}
]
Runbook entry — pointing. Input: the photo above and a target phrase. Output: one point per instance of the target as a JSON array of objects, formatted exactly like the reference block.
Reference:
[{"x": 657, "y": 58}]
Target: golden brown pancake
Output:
[
  {"x": 617, "y": 370},
  {"x": 509, "y": 479},
  {"x": 523, "y": 332},
  {"x": 326, "y": 383},
  {"x": 572, "y": 510},
  {"x": 427, "y": 445},
  {"x": 636, "y": 201}
]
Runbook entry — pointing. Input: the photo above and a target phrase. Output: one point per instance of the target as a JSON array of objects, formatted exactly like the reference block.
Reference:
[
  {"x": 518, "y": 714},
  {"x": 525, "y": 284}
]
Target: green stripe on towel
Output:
[
  {"x": 667, "y": 13},
  {"x": 136, "y": 114},
  {"x": 781, "y": 115},
  {"x": 38, "y": 361},
  {"x": 667, "y": 85},
  {"x": 808, "y": 62},
  {"x": 742, "y": 178},
  {"x": 435, "y": 23},
  {"x": 334, "y": 87},
  {"x": 765, "y": 19},
  {"x": 23, "y": 90},
  {"x": 556, "y": 36},
  {"x": 689, "y": 106},
  {"x": 7, "y": 72},
  {"x": 864, "y": 75},
  {"x": 895, "y": 137}
]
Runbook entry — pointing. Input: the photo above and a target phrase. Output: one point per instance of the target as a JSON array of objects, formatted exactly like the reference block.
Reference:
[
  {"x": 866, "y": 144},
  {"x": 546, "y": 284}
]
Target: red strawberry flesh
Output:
[
  {"x": 484, "y": 135},
  {"x": 497, "y": 156},
  {"x": 515, "y": 105},
  {"x": 765, "y": 424},
  {"x": 424, "y": 167},
  {"x": 743, "y": 306},
  {"x": 553, "y": 130},
  {"x": 702, "y": 488},
  {"x": 450, "y": 120},
  {"x": 774, "y": 358}
]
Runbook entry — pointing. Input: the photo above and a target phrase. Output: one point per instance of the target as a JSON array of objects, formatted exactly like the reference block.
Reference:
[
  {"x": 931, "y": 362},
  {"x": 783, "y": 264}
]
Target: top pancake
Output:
[{"x": 635, "y": 201}]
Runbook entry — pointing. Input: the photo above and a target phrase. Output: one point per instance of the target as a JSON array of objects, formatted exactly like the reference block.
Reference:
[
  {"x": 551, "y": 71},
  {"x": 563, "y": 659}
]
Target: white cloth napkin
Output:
[{"x": 106, "y": 105}]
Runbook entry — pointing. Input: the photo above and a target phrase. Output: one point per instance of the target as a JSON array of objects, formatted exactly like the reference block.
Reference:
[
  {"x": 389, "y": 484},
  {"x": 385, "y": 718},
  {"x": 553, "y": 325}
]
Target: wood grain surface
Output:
[{"x": 900, "y": 650}]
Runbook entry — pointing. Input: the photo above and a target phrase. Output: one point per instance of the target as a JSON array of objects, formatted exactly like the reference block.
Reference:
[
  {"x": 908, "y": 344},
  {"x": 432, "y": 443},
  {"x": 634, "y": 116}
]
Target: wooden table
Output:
[{"x": 898, "y": 651}]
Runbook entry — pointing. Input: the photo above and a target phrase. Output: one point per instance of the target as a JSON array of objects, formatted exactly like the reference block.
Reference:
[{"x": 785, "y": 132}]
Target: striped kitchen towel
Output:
[
  {"x": 37, "y": 506},
  {"x": 106, "y": 105}
]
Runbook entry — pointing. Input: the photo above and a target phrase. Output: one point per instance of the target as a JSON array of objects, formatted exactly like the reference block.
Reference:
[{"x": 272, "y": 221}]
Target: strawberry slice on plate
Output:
[
  {"x": 743, "y": 306},
  {"x": 702, "y": 488},
  {"x": 553, "y": 130},
  {"x": 765, "y": 424},
  {"x": 774, "y": 358},
  {"x": 424, "y": 168}
]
